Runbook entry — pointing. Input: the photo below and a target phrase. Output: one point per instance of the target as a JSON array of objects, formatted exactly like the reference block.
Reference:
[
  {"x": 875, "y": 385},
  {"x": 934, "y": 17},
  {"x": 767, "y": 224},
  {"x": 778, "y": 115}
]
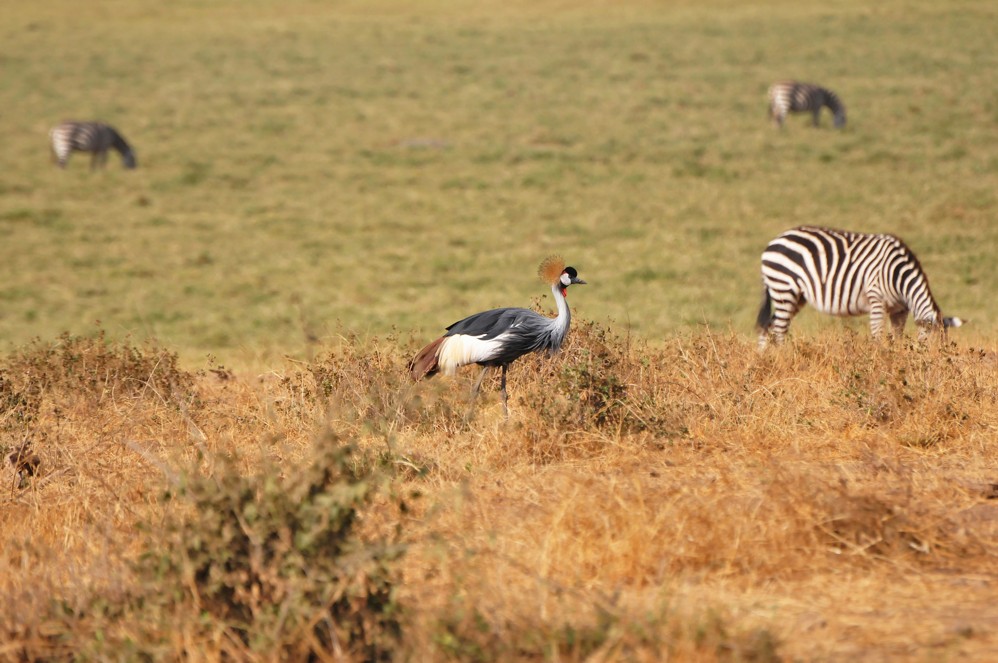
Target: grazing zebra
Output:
[
  {"x": 95, "y": 137},
  {"x": 845, "y": 273},
  {"x": 793, "y": 97}
]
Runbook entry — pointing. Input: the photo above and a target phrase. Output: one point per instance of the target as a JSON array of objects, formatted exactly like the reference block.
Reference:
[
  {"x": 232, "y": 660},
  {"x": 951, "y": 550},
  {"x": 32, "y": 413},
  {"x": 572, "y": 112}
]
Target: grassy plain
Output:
[
  {"x": 387, "y": 165},
  {"x": 335, "y": 182}
]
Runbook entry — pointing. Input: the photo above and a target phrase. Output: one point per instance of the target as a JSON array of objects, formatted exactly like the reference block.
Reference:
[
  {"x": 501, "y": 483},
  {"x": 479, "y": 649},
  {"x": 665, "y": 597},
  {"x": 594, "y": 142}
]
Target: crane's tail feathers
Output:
[
  {"x": 954, "y": 322},
  {"x": 425, "y": 362}
]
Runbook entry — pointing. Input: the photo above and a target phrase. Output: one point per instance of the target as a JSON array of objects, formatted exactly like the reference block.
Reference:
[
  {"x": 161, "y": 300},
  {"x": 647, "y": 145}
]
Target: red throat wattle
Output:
[{"x": 564, "y": 292}]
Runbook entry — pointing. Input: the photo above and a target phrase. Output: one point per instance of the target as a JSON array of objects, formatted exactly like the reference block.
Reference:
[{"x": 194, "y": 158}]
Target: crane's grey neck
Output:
[{"x": 559, "y": 325}]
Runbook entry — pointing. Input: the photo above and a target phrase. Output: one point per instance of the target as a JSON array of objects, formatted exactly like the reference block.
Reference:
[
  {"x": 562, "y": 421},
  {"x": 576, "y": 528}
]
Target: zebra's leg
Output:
[
  {"x": 784, "y": 311},
  {"x": 764, "y": 321},
  {"x": 816, "y": 115},
  {"x": 781, "y": 323},
  {"x": 898, "y": 318},
  {"x": 876, "y": 315},
  {"x": 765, "y": 318}
]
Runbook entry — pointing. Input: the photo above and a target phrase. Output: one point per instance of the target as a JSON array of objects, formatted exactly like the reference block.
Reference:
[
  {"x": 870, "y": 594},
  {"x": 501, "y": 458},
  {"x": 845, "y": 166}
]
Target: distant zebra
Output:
[
  {"x": 845, "y": 273},
  {"x": 95, "y": 137},
  {"x": 793, "y": 97}
]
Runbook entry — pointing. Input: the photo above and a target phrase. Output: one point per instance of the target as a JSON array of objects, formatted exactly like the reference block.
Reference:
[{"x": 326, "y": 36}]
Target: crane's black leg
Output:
[{"x": 505, "y": 409}]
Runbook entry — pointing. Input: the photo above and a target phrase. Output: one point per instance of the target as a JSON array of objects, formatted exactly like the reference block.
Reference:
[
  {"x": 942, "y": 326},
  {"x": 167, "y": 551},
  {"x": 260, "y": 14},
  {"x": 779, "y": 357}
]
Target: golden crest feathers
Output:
[{"x": 551, "y": 269}]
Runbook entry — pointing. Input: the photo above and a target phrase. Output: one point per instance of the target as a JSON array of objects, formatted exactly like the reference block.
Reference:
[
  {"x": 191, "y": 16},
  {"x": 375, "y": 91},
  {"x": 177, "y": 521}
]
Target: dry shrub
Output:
[
  {"x": 359, "y": 379},
  {"x": 925, "y": 396},
  {"x": 94, "y": 369},
  {"x": 70, "y": 412},
  {"x": 87, "y": 372},
  {"x": 707, "y": 387},
  {"x": 255, "y": 566},
  {"x": 587, "y": 388},
  {"x": 724, "y": 389},
  {"x": 603, "y": 384},
  {"x": 364, "y": 387}
]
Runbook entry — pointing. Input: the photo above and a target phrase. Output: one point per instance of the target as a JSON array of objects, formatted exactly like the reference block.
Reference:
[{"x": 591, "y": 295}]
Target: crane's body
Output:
[{"x": 498, "y": 337}]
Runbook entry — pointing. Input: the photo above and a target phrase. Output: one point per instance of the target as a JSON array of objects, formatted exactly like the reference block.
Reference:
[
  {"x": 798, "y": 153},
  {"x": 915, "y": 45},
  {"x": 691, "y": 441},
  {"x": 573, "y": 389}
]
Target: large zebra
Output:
[
  {"x": 793, "y": 97},
  {"x": 95, "y": 137},
  {"x": 845, "y": 273}
]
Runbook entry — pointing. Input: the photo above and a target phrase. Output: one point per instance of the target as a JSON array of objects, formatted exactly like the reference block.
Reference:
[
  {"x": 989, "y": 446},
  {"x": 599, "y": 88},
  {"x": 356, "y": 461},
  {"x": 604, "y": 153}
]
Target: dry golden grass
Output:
[{"x": 695, "y": 501}]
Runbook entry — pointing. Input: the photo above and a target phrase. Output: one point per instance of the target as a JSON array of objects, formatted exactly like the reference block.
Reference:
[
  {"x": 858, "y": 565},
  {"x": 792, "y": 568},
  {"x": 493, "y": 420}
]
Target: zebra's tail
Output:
[{"x": 766, "y": 317}]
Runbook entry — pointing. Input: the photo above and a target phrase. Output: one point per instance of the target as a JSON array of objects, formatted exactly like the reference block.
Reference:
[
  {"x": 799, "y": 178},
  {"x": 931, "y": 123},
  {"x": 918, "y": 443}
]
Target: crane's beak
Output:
[{"x": 578, "y": 281}]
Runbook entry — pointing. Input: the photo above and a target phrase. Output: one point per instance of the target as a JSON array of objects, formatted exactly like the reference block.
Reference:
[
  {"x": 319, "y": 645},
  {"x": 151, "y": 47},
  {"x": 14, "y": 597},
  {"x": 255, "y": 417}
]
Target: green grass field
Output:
[{"x": 309, "y": 169}]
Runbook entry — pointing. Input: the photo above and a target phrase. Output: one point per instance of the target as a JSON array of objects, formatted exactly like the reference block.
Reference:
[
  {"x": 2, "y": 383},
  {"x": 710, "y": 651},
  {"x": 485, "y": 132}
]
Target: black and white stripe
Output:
[
  {"x": 794, "y": 97},
  {"x": 94, "y": 137},
  {"x": 845, "y": 273}
]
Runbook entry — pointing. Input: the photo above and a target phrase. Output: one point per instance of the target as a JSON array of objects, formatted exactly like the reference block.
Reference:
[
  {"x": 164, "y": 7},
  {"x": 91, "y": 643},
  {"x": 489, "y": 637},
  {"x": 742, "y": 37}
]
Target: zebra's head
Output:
[
  {"x": 128, "y": 159},
  {"x": 925, "y": 330},
  {"x": 840, "y": 118}
]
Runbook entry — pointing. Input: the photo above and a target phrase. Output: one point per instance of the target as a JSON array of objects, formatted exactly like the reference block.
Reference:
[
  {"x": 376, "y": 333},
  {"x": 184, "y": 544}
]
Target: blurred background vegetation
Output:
[{"x": 308, "y": 168}]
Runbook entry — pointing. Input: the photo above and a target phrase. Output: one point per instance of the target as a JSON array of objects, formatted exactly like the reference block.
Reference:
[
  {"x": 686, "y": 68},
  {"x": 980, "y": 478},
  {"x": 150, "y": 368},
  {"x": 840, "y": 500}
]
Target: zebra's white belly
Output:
[
  {"x": 846, "y": 306},
  {"x": 858, "y": 304}
]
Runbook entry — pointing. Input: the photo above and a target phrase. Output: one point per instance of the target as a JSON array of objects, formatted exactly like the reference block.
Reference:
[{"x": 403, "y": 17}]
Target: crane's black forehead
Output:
[{"x": 571, "y": 272}]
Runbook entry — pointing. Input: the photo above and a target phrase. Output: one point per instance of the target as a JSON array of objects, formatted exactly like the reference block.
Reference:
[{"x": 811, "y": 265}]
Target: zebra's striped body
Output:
[
  {"x": 794, "y": 97},
  {"x": 94, "y": 137},
  {"x": 845, "y": 273}
]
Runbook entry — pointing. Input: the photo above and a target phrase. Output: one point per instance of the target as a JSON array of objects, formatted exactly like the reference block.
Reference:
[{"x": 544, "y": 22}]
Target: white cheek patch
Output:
[{"x": 566, "y": 280}]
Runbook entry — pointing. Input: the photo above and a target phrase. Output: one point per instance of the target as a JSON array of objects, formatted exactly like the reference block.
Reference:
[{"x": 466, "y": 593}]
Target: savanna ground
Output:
[{"x": 231, "y": 463}]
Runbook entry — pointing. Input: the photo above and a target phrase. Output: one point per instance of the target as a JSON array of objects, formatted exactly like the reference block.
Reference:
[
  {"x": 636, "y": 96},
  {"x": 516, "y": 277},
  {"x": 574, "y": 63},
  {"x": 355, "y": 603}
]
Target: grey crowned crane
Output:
[{"x": 500, "y": 336}]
